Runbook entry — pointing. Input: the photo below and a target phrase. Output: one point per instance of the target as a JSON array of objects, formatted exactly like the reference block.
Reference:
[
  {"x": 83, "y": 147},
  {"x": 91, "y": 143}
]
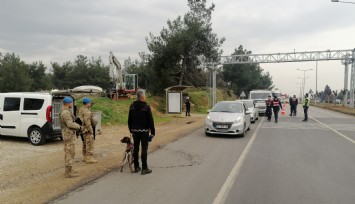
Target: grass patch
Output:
[
  {"x": 115, "y": 112},
  {"x": 336, "y": 107},
  {"x": 200, "y": 98}
]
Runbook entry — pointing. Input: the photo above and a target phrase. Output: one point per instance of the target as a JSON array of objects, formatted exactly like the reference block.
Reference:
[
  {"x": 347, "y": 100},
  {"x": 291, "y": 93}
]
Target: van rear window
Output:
[
  {"x": 12, "y": 104},
  {"x": 33, "y": 104}
]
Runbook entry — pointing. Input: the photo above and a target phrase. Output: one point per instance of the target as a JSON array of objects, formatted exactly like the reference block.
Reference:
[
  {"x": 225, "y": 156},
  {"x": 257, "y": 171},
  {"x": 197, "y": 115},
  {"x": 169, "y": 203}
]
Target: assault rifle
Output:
[
  {"x": 78, "y": 120},
  {"x": 79, "y": 132}
]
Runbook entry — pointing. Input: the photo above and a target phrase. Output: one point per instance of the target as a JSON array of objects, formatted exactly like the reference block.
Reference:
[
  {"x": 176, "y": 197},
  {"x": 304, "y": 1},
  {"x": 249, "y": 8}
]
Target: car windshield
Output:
[
  {"x": 276, "y": 94},
  {"x": 249, "y": 104},
  {"x": 228, "y": 107},
  {"x": 259, "y": 95}
]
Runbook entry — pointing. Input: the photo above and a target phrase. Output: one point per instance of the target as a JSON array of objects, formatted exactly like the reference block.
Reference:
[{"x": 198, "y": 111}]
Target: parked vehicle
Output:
[
  {"x": 251, "y": 107},
  {"x": 32, "y": 115},
  {"x": 228, "y": 118},
  {"x": 278, "y": 94},
  {"x": 259, "y": 97}
]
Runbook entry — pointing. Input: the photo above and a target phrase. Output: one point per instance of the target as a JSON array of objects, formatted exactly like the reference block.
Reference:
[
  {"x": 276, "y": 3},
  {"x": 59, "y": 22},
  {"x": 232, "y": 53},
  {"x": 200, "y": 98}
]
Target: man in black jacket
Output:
[{"x": 140, "y": 123}]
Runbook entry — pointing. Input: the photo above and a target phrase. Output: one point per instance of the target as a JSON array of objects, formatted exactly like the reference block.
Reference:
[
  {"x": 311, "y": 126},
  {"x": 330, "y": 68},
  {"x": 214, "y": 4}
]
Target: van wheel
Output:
[{"x": 36, "y": 136}]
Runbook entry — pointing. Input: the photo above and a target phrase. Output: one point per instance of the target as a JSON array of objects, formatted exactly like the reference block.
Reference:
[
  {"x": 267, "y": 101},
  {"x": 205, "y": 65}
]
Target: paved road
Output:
[{"x": 288, "y": 162}]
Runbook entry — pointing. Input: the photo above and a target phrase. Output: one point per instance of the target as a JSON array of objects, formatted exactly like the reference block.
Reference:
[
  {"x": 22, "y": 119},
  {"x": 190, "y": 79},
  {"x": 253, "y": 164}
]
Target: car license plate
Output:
[{"x": 222, "y": 126}]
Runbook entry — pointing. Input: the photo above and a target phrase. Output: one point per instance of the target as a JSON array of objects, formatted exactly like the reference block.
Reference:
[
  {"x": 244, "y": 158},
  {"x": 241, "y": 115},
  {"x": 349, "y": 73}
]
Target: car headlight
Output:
[
  {"x": 208, "y": 120},
  {"x": 239, "y": 120}
]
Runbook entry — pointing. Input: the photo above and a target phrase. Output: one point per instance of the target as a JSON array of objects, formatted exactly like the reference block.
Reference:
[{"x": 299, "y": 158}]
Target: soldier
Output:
[
  {"x": 269, "y": 108},
  {"x": 276, "y": 105},
  {"x": 293, "y": 104},
  {"x": 68, "y": 133},
  {"x": 88, "y": 121}
]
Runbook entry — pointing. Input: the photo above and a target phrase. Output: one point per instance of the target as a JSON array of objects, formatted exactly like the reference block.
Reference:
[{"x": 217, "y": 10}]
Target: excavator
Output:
[{"x": 122, "y": 85}]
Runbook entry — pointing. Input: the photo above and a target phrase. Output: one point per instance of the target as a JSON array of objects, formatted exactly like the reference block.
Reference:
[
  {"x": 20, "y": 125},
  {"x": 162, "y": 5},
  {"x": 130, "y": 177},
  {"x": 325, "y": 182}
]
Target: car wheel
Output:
[
  {"x": 36, "y": 136},
  {"x": 244, "y": 131},
  {"x": 252, "y": 121}
]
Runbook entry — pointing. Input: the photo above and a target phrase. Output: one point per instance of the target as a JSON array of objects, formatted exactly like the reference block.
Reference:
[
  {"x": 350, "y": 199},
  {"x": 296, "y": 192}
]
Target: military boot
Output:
[
  {"x": 90, "y": 160},
  {"x": 69, "y": 173},
  {"x": 85, "y": 158}
]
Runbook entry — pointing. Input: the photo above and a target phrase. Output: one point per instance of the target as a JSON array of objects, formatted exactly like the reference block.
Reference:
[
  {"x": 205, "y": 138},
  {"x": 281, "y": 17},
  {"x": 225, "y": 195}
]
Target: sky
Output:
[{"x": 57, "y": 31}]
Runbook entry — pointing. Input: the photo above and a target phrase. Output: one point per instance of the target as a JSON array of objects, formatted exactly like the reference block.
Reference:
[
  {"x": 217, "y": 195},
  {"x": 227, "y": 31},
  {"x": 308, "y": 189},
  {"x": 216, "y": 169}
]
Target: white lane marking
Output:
[
  {"x": 334, "y": 130},
  {"x": 224, "y": 191}
]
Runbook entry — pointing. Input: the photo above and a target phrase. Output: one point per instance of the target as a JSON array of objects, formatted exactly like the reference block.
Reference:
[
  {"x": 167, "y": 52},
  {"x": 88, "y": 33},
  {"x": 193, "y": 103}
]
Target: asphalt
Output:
[{"x": 289, "y": 162}]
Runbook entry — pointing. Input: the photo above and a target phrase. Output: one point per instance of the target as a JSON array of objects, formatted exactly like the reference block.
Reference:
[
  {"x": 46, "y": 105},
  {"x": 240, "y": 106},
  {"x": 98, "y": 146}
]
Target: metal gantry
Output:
[
  {"x": 287, "y": 57},
  {"x": 346, "y": 56}
]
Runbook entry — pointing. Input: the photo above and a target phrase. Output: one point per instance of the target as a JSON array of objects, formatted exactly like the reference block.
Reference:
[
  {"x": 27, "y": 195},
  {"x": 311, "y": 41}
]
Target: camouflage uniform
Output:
[
  {"x": 68, "y": 132},
  {"x": 89, "y": 121}
]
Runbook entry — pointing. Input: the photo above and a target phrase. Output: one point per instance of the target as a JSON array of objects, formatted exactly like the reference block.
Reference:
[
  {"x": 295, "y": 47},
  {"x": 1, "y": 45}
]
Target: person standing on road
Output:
[
  {"x": 140, "y": 123},
  {"x": 188, "y": 106},
  {"x": 268, "y": 112},
  {"x": 276, "y": 105},
  {"x": 68, "y": 133},
  {"x": 88, "y": 122},
  {"x": 306, "y": 103},
  {"x": 293, "y": 104}
]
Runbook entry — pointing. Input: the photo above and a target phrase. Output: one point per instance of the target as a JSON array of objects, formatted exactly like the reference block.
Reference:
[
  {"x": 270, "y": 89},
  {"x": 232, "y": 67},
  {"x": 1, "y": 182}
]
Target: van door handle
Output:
[{"x": 1, "y": 117}]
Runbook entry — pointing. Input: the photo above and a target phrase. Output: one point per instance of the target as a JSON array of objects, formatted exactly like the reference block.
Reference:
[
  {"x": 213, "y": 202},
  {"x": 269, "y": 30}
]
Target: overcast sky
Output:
[{"x": 52, "y": 30}]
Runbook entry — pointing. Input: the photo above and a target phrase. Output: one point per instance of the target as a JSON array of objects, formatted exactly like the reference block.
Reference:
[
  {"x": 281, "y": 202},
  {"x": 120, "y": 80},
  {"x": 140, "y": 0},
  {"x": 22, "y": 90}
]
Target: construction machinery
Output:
[{"x": 122, "y": 85}]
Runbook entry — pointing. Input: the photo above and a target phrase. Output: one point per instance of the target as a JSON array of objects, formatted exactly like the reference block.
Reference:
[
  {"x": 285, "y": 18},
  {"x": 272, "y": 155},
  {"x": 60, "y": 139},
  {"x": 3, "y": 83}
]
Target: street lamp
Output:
[
  {"x": 347, "y": 2},
  {"x": 300, "y": 86},
  {"x": 304, "y": 77}
]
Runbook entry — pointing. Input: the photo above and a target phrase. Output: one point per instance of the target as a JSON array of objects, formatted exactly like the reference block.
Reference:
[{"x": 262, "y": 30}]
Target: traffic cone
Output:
[{"x": 283, "y": 111}]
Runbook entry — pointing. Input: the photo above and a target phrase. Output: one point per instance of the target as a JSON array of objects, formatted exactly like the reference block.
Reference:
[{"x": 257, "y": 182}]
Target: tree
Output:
[
  {"x": 81, "y": 72},
  {"x": 176, "y": 51},
  {"x": 326, "y": 95},
  {"x": 246, "y": 77},
  {"x": 14, "y": 75},
  {"x": 36, "y": 72}
]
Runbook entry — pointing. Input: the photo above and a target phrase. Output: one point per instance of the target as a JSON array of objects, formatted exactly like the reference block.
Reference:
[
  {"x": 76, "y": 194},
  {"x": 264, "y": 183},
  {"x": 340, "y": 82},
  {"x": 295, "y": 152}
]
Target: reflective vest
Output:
[
  {"x": 276, "y": 103},
  {"x": 306, "y": 102}
]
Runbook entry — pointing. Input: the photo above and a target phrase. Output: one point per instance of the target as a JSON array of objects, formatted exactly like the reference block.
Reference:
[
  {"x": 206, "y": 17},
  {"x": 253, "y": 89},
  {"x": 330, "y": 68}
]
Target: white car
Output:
[
  {"x": 251, "y": 107},
  {"x": 32, "y": 115},
  {"x": 228, "y": 118}
]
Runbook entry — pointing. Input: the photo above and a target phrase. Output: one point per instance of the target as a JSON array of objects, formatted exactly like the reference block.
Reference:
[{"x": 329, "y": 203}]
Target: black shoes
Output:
[
  {"x": 146, "y": 171},
  {"x": 136, "y": 170},
  {"x": 304, "y": 120}
]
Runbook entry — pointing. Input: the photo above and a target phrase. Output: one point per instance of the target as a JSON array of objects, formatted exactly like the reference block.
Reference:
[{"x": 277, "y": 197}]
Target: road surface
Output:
[{"x": 289, "y": 162}]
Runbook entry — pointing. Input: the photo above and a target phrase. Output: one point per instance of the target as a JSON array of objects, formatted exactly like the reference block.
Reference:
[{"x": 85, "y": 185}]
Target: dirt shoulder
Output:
[{"x": 30, "y": 174}]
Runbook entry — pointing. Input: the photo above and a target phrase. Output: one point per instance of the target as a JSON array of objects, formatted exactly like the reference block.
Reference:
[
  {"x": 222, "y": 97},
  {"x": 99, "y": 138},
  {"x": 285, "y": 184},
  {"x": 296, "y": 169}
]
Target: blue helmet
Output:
[
  {"x": 67, "y": 100},
  {"x": 86, "y": 100}
]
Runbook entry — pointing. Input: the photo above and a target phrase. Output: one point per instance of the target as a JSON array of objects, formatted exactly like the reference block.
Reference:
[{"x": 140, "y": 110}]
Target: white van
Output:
[
  {"x": 32, "y": 115},
  {"x": 259, "y": 97}
]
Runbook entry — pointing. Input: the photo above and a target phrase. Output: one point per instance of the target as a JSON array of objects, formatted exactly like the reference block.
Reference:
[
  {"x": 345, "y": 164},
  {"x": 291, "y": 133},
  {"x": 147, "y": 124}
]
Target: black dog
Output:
[{"x": 128, "y": 156}]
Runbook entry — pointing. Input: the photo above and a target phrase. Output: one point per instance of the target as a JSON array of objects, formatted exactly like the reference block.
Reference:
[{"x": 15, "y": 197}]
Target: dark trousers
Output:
[
  {"x": 276, "y": 113},
  {"x": 268, "y": 112},
  {"x": 305, "y": 108},
  {"x": 293, "y": 110},
  {"x": 141, "y": 138},
  {"x": 188, "y": 111}
]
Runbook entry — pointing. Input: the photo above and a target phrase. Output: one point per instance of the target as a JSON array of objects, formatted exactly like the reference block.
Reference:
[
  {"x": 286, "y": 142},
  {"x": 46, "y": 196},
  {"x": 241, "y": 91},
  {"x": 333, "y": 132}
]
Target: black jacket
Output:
[
  {"x": 276, "y": 104},
  {"x": 140, "y": 118}
]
